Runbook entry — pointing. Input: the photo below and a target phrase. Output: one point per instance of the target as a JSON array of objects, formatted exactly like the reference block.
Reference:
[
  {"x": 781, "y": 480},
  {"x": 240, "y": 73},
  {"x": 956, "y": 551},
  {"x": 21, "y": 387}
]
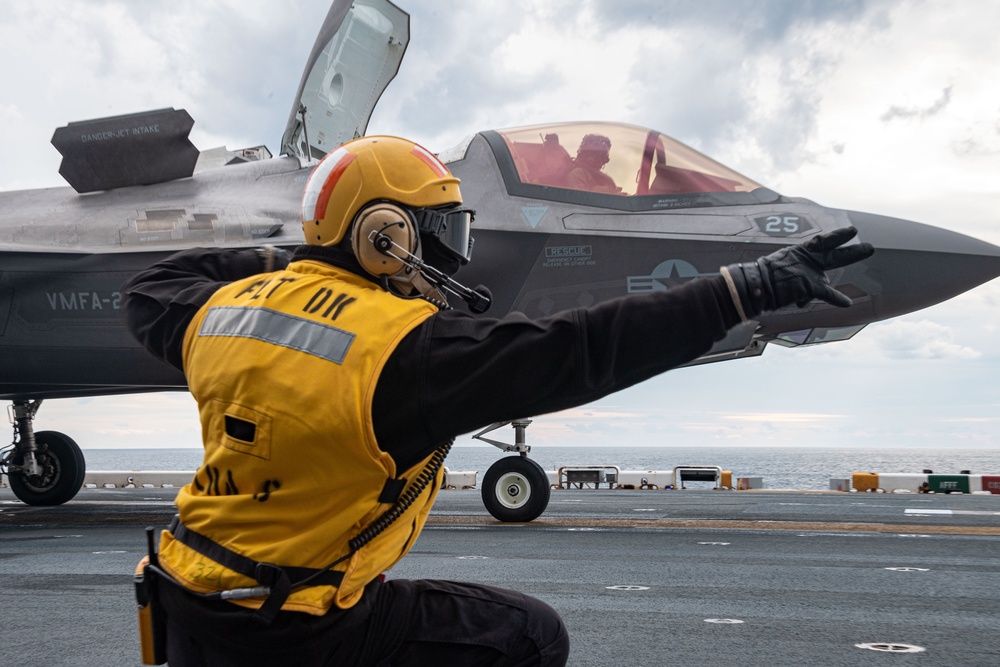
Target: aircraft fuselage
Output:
[{"x": 540, "y": 249}]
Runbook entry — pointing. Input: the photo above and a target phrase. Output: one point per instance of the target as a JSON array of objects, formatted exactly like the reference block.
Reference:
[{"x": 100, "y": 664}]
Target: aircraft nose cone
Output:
[{"x": 916, "y": 265}]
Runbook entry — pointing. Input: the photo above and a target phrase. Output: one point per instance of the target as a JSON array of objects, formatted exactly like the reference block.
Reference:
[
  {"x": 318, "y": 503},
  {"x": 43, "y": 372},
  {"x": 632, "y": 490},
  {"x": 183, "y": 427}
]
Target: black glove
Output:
[{"x": 794, "y": 275}]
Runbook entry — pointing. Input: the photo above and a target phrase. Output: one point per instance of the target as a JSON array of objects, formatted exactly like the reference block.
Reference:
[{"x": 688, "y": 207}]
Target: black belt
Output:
[{"x": 279, "y": 581}]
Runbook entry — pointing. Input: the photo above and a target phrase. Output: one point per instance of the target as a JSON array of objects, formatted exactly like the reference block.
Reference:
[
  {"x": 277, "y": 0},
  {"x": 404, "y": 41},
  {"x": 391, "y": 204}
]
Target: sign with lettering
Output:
[{"x": 948, "y": 483}]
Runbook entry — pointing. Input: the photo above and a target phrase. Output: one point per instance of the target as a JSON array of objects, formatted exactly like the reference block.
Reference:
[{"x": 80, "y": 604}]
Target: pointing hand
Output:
[{"x": 794, "y": 275}]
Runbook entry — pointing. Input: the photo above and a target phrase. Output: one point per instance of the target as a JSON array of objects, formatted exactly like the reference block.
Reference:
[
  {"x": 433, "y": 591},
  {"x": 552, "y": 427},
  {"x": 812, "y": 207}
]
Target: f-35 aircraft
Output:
[{"x": 569, "y": 214}]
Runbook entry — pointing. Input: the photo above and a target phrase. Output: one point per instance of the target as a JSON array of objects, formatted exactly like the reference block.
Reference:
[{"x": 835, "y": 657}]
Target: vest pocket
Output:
[{"x": 242, "y": 429}]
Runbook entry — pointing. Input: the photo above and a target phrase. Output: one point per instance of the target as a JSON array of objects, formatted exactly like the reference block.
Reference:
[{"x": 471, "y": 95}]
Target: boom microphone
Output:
[
  {"x": 481, "y": 301},
  {"x": 478, "y": 299}
]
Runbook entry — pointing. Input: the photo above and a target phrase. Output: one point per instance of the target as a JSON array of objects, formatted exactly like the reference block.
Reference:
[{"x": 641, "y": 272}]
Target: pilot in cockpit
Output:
[{"x": 594, "y": 152}]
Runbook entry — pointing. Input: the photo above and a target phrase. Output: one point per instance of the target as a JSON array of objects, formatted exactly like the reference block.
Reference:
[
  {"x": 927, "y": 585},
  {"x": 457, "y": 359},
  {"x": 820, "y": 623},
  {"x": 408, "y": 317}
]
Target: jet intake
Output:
[{"x": 119, "y": 151}]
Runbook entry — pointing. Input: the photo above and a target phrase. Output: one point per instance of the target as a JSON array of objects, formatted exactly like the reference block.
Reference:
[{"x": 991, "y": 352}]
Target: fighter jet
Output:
[{"x": 569, "y": 214}]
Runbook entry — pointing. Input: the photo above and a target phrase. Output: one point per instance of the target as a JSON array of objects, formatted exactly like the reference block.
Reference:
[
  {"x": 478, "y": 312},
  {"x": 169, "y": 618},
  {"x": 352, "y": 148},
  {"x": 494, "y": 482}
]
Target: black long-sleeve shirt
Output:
[{"x": 457, "y": 372}]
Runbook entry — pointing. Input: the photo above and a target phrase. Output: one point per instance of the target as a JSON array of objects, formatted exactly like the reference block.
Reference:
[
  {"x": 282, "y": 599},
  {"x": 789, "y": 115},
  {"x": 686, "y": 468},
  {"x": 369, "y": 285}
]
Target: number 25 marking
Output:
[{"x": 782, "y": 224}]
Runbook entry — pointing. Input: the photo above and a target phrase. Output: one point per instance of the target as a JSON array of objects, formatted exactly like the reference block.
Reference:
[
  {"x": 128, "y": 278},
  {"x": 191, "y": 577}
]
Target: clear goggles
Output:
[{"x": 452, "y": 227}]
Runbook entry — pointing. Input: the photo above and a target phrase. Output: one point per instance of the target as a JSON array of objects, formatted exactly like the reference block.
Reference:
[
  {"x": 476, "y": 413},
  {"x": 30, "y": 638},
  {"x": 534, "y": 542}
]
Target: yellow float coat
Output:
[{"x": 283, "y": 367}]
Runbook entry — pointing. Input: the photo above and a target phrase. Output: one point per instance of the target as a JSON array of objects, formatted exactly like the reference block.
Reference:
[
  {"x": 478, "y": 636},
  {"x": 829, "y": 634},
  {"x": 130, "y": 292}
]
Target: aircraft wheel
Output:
[
  {"x": 515, "y": 488},
  {"x": 63, "y": 470}
]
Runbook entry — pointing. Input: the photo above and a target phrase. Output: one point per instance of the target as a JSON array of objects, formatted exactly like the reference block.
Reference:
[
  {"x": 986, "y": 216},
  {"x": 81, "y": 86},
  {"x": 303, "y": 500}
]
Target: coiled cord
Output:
[{"x": 403, "y": 503}]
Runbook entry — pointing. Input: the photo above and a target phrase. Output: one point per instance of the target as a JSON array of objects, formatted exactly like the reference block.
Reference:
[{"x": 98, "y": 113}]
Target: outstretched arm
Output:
[{"x": 455, "y": 373}]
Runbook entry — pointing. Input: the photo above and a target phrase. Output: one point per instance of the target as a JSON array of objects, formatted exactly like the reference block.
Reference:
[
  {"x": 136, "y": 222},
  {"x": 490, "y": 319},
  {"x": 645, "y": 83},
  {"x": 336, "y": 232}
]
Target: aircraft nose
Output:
[{"x": 916, "y": 265}]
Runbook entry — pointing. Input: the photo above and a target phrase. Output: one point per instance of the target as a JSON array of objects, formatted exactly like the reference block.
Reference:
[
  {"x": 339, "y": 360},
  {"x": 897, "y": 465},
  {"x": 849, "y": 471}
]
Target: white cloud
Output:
[
  {"x": 923, "y": 339},
  {"x": 784, "y": 418},
  {"x": 162, "y": 420},
  {"x": 908, "y": 120},
  {"x": 9, "y": 113}
]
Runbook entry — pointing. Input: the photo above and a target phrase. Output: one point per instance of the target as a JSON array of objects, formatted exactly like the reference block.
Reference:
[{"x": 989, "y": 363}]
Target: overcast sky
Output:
[{"x": 886, "y": 106}]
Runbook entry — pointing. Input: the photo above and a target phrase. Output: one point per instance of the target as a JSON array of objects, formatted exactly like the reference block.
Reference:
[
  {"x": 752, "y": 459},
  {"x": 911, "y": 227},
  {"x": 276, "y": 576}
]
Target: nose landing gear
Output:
[{"x": 515, "y": 488}]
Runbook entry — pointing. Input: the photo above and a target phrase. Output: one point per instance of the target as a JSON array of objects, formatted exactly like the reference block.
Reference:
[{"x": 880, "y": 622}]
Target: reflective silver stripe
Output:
[{"x": 298, "y": 333}]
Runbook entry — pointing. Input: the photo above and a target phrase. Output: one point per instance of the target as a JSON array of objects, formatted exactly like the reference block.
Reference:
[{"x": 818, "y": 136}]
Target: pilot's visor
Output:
[{"x": 452, "y": 227}]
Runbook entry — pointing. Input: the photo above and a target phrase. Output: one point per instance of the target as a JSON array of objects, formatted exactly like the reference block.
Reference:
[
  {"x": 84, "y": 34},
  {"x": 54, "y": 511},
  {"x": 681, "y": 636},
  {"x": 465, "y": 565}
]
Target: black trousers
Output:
[{"x": 398, "y": 623}]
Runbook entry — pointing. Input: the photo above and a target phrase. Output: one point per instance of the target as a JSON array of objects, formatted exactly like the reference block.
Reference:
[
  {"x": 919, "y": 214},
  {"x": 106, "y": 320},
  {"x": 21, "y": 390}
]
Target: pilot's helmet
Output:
[
  {"x": 597, "y": 143},
  {"x": 391, "y": 176}
]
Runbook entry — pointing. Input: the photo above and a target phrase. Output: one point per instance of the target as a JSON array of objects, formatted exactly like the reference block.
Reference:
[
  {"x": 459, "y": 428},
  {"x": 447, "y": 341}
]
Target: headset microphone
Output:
[
  {"x": 478, "y": 299},
  {"x": 482, "y": 299}
]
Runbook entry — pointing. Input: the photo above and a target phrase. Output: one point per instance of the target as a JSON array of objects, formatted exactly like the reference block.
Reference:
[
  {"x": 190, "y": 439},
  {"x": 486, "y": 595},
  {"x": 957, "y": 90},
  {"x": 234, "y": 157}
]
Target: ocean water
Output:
[{"x": 801, "y": 468}]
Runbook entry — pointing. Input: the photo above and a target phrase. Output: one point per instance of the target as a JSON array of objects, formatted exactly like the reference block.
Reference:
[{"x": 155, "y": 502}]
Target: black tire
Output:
[
  {"x": 515, "y": 489},
  {"x": 64, "y": 470}
]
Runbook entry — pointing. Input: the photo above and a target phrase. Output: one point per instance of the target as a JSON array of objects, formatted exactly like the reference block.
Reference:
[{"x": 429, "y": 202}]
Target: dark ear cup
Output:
[{"x": 394, "y": 224}]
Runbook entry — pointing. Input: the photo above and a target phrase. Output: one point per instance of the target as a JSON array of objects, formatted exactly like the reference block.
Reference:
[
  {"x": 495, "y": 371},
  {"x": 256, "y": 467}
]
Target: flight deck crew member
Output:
[{"x": 330, "y": 387}]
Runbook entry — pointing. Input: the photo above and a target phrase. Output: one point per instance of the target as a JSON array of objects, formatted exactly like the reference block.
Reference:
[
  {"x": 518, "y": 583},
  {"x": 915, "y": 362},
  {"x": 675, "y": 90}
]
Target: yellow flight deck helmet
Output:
[{"x": 367, "y": 179}]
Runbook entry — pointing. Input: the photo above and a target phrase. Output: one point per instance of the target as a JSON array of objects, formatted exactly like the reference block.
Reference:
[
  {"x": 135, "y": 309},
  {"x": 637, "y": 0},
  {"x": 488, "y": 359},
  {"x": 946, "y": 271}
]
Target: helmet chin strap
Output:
[{"x": 429, "y": 281}]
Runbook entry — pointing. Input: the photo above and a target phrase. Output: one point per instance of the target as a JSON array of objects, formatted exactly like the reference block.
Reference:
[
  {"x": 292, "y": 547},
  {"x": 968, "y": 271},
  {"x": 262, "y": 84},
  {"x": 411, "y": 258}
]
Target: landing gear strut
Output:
[
  {"x": 515, "y": 488},
  {"x": 44, "y": 468}
]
